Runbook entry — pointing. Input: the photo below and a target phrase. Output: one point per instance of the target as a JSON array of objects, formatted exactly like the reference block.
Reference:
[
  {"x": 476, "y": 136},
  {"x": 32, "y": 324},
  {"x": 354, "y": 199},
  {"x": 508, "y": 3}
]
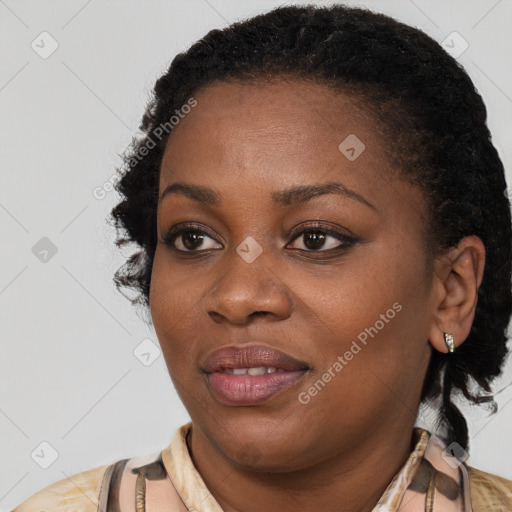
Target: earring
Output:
[{"x": 449, "y": 342}]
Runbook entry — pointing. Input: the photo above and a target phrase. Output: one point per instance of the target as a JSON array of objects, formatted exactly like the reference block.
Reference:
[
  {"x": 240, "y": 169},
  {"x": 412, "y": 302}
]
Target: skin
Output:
[{"x": 246, "y": 141}]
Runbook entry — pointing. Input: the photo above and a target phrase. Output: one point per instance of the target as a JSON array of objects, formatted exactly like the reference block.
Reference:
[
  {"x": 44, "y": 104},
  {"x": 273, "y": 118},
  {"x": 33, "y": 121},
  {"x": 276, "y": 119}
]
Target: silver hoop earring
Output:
[{"x": 449, "y": 341}]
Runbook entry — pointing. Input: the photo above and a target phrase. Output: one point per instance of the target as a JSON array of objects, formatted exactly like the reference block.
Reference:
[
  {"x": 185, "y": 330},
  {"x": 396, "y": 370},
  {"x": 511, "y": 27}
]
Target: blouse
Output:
[{"x": 430, "y": 480}]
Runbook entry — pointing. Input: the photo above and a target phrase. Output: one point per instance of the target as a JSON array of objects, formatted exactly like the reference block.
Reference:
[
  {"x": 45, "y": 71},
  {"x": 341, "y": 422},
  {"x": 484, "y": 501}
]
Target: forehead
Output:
[
  {"x": 283, "y": 127},
  {"x": 282, "y": 103},
  {"x": 245, "y": 142}
]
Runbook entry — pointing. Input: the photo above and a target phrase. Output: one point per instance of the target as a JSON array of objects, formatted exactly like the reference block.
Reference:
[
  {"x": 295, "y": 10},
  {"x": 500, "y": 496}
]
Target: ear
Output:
[{"x": 457, "y": 277}]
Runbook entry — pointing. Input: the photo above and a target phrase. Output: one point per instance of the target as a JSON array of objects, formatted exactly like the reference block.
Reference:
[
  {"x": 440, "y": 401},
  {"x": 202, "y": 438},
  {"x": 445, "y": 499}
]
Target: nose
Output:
[{"x": 246, "y": 291}]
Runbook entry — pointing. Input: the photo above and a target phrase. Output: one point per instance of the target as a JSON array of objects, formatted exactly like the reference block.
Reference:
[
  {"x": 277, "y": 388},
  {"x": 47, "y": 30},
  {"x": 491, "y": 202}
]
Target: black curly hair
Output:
[{"x": 435, "y": 122}]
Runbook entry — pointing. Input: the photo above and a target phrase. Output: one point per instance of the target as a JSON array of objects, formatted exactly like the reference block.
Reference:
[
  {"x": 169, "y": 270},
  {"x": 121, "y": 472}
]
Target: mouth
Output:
[{"x": 251, "y": 374}]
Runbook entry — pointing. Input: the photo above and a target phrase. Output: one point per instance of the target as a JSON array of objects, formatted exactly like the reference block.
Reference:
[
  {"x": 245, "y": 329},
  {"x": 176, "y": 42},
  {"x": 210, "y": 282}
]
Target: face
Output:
[{"x": 336, "y": 278}]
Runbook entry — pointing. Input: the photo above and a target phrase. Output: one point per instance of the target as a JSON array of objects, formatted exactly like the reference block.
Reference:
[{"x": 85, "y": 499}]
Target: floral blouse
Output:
[{"x": 431, "y": 480}]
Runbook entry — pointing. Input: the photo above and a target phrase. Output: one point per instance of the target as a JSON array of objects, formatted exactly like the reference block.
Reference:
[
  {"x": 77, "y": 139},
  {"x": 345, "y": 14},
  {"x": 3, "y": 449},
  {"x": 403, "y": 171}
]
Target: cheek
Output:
[
  {"x": 349, "y": 297},
  {"x": 371, "y": 312},
  {"x": 172, "y": 301}
]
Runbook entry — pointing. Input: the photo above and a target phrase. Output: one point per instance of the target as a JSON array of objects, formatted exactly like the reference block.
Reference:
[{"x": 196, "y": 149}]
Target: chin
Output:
[
  {"x": 250, "y": 458},
  {"x": 259, "y": 448}
]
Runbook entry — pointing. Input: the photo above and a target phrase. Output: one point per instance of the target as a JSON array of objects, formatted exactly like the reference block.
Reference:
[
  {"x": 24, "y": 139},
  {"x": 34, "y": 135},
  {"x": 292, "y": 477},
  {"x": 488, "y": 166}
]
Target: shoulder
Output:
[
  {"x": 77, "y": 493},
  {"x": 489, "y": 492}
]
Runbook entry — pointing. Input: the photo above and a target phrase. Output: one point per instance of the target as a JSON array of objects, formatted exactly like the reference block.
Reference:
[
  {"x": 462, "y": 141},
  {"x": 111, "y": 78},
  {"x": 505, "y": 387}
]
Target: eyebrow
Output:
[{"x": 289, "y": 197}]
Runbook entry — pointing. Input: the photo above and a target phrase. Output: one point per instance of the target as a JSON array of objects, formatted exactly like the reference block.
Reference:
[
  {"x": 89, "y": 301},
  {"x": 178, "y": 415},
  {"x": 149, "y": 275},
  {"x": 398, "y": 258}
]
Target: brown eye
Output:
[
  {"x": 321, "y": 238},
  {"x": 189, "y": 239}
]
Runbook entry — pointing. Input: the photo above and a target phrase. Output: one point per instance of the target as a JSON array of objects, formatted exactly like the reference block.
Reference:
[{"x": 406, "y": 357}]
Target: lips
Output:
[
  {"x": 252, "y": 356},
  {"x": 251, "y": 374}
]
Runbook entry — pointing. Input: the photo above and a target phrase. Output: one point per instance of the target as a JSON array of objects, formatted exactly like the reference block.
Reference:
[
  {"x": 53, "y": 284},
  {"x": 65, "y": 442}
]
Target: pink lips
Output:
[{"x": 272, "y": 372}]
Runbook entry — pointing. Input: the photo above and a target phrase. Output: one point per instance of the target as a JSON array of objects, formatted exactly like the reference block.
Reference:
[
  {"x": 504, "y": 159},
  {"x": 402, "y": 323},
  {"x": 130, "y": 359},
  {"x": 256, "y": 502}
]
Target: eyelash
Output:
[{"x": 347, "y": 241}]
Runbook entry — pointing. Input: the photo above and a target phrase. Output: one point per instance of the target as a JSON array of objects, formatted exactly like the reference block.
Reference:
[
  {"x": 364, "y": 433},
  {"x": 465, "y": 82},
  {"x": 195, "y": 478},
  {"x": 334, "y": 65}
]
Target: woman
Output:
[{"x": 325, "y": 245}]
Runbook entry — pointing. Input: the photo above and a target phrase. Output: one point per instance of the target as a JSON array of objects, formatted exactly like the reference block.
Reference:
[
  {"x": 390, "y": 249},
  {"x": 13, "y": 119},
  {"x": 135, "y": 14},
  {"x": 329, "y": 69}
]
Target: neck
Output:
[{"x": 353, "y": 479}]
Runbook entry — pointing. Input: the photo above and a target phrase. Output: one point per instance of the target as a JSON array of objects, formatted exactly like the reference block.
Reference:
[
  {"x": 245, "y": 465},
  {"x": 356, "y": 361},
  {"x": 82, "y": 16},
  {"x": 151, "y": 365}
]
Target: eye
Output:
[
  {"x": 316, "y": 237},
  {"x": 189, "y": 238}
]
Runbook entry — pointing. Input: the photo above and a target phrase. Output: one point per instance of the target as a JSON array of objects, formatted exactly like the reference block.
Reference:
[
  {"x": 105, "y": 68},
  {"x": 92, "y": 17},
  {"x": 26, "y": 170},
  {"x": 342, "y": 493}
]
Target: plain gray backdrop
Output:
[{"x": 69, "y": 376}]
